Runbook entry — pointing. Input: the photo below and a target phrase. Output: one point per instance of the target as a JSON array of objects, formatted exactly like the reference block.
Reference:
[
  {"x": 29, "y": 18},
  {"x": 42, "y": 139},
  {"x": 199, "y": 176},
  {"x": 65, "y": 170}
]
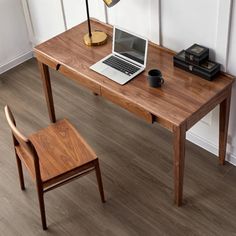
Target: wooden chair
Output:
[{"x": 53, "y": 156}]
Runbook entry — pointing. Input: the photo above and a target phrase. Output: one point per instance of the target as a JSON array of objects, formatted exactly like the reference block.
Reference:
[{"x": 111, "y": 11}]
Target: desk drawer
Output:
[
  {"x": 46, "y": 60},
  {"x": 128, "y": 105},
  {"x": 71, "y": 74},
  {"x": 86, "y": 82}
]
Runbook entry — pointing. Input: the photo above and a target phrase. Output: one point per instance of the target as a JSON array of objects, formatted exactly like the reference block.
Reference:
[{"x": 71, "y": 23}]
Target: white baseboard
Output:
[
  {"x": 211, "y": 147},
  {"x": 16, "y": 61}
]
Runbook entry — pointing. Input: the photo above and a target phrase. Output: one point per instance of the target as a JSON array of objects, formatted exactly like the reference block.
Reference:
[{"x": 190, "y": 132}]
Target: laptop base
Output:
[{"x": 112, "y": 73}]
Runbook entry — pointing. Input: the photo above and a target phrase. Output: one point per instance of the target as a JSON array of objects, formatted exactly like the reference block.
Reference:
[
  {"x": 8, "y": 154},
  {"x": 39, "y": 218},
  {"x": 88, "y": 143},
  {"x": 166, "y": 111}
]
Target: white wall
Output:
[
  {"x": 188, "y": 21},
  {"x": 47, "y": 19},
  {"x": 50, "y": 18},
  {"x": 174, "y": 24},
  {"x": 232, "y": 69},
  {"x": 75, "y": 11},
  {"x": 141, "y": 17},
  {"x": 47, "y": 16},
  {"x": 15, "y": 46}
]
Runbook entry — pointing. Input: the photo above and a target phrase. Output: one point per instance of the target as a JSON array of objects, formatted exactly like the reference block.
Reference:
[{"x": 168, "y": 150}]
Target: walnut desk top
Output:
[{"x": 180, "y": 103}]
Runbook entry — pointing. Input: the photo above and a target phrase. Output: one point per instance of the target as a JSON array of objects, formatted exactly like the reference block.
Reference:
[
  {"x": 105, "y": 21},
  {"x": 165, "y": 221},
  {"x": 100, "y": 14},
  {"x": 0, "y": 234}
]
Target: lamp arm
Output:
[
  {"x": 89, "y": 26},
  {"x": 97, "y": 37}
]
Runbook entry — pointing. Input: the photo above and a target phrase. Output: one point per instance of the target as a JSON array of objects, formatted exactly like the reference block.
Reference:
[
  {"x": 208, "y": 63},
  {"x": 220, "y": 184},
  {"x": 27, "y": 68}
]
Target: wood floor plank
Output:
[{"x": 136, "y": 164}]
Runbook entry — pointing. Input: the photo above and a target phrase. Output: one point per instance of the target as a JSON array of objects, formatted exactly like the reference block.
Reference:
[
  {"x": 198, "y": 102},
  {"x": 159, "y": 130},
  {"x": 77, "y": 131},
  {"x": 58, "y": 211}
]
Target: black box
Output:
[
  {"x": 196, "y": 54},
  {"x": 207, "y": 70}
]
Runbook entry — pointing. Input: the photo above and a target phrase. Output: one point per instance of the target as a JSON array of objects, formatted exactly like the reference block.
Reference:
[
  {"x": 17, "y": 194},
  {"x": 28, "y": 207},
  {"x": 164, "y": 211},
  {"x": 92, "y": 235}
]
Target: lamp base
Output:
[{"x": 98, "y": 38}]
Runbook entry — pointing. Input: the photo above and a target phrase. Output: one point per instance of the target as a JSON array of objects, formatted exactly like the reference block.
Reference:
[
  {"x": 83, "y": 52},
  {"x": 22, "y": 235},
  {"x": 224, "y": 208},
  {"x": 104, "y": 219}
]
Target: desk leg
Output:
[
  {"x": 224, "y": 123},
  {"x": 179, "y": 156},
  {"x": 45, "y": 76}
]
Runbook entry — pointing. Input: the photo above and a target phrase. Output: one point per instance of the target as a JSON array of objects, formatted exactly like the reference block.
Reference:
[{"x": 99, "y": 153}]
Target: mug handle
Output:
[{"x": 162, "y": 80}]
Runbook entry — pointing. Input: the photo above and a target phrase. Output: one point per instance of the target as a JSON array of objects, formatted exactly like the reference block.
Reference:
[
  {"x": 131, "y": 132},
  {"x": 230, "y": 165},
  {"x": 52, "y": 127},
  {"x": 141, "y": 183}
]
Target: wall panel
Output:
[
  {"x": 14, "y": 39},
  {"x": 185, "y": 22},
  {"x": 232, "y": 43},
  {"x": 232, "y": 69},
  {"x": 141, "y": 17},
  {"x": 47, "y": 19},
  {"x": 75, "y": 11}
]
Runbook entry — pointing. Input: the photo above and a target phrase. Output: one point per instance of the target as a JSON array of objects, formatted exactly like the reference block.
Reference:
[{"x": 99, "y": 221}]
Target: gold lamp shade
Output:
[
  {"x": 111, "y": 3},
  {"x": 97, "y": 38}
]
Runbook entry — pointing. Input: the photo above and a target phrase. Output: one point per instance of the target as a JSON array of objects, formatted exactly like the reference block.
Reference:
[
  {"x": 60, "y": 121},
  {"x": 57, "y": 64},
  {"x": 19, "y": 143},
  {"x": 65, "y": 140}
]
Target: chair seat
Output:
[{"x": 61, "y": 150}]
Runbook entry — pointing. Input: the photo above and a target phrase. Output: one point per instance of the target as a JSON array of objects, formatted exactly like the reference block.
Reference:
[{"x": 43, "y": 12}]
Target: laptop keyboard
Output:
[{"x": 121, "y": 65}]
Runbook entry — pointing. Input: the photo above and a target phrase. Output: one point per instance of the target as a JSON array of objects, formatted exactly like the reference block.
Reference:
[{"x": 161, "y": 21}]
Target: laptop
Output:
[{"x": 128, "y": 57}]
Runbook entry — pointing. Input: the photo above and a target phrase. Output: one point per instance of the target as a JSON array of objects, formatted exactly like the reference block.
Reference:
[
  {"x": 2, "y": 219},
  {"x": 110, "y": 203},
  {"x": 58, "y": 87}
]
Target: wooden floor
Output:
[{"x": 136, "y": 165}]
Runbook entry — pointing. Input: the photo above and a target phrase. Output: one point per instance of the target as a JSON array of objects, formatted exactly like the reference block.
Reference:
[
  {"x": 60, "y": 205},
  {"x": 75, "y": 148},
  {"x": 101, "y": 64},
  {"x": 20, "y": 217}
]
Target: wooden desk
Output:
[{"x": 182, "y": 101}]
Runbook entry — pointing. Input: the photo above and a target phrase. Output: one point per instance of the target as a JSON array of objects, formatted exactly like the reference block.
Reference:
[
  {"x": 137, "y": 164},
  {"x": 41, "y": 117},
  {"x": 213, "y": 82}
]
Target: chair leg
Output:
[
  {"x": 99, "y": 180},
  {"x": 42, "y": 206},
  {"x": 20, "y": 171}
]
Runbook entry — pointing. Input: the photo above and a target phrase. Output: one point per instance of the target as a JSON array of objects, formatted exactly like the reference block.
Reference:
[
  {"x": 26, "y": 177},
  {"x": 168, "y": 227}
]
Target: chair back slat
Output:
[
  {"x": 21, "y": 139},
  {"x": 24, "y": 143}
]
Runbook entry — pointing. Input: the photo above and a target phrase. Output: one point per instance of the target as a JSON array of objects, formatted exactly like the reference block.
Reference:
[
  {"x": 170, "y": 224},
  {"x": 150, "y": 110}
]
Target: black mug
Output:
[{"x": 155, "y": 78}]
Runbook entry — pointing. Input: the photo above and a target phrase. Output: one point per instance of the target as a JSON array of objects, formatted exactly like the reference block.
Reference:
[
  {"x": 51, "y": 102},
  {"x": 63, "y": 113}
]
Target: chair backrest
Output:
[{"x": 21, "y": 140}]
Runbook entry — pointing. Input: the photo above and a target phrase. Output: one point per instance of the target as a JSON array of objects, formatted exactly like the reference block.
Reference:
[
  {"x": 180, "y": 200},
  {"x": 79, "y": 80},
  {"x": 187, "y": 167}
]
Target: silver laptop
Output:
[{"x": 128, "y": 58}]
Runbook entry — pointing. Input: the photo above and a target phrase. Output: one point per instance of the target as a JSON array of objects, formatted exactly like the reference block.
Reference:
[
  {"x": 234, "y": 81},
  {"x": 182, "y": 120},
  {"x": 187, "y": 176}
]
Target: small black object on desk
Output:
[
  {"x": 155, "y": 78},
  {"x": 195, "y": 60},
  {"x": 196, "y": 54}
]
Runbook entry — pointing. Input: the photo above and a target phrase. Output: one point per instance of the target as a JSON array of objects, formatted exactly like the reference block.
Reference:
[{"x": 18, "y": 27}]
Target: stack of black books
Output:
[{"x": 196, "y": 60}]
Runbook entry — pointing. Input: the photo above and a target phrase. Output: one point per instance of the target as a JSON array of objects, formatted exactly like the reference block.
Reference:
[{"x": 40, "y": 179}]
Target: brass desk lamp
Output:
[{"x": 96, "y": 38}]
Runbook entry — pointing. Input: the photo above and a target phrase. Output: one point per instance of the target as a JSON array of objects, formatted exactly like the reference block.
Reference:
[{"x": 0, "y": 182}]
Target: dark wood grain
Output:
[
  {"x": 48, "y": 90},
  {"x": 53, "y": 156},
  {"x": 179, "y": 160},
  {"x": 60, "y": 149},
  {"x": 224, "y": 123},
  {"x": 25, "y": 152},
  {"x": 181, "y": 102},
  {"x": 182, "y": 95},
  {"x": 128, "y": 105}
]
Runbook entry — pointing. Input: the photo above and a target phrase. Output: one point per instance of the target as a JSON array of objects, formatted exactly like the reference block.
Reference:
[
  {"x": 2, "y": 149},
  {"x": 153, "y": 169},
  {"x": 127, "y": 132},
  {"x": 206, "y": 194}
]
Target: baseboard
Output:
[
  {"x": 16, "y": 61},
  {"x": 211, "y": 147},
  {"x": 231, "y": 158}
]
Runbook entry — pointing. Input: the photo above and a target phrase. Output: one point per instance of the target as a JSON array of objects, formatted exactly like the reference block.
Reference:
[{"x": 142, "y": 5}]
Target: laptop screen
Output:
[{"x": 130, "y": 46}]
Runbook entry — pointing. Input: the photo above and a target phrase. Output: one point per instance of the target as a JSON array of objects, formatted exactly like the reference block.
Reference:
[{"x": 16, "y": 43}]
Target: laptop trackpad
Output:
[{"x": 110, "y": 72}]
